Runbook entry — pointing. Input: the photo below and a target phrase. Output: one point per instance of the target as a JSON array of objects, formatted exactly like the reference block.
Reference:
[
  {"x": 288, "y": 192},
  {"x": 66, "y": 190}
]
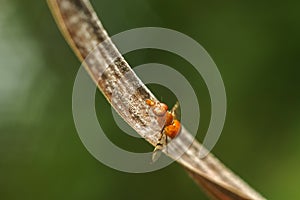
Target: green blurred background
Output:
[{"x": 255, "y": 44}]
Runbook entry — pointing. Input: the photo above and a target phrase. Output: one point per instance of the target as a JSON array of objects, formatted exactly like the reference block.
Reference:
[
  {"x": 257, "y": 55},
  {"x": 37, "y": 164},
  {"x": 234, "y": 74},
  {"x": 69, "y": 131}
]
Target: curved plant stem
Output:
[{"x": 83, "y": 31}]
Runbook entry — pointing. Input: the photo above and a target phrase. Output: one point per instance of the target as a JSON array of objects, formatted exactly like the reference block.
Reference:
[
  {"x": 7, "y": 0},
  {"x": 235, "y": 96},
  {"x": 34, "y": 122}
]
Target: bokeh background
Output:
[{"x": 255, "y": 44}]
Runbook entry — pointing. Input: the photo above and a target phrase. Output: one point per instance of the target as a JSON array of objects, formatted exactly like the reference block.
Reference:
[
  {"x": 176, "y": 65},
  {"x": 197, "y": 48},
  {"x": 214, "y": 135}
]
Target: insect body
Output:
[
  {"x": 171, "y": 126},
  {"x": 173, "y": 129}
]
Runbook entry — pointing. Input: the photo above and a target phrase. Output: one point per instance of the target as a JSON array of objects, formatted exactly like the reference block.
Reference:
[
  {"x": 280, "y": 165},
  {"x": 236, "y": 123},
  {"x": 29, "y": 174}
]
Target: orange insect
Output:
[
  {"x": 159, "y": 109},
  {"x": 171, "y": 126}
]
